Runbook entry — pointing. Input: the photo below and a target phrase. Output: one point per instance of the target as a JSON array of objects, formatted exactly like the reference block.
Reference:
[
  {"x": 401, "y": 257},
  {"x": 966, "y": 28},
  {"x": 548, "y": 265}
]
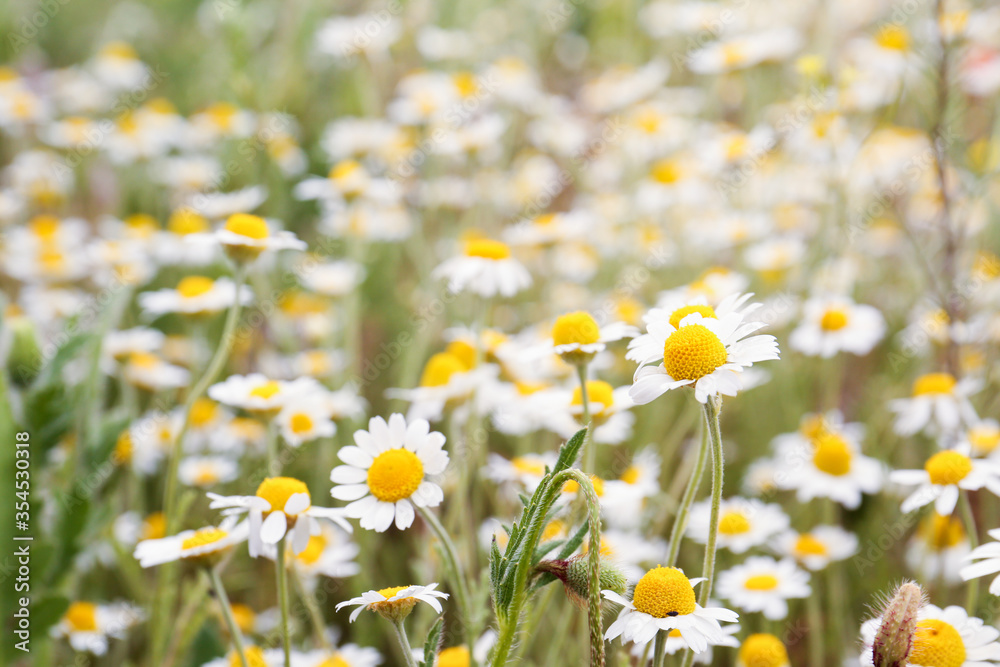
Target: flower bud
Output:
[
  {"x": 894, "y": 638},
  {"x": 575, "y": 575}
]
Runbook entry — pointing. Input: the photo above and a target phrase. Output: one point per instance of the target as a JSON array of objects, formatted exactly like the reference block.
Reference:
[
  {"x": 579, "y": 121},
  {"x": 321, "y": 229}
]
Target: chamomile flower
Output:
[
  {"x": 386, "y": 472},
  {"x": 609, "y": 412},
  {"x": 664, "y": 600},
  {"x": 702, "y": 351},
  {"x": 244, "y": 237},
  {"x": 257, "y": 393},
  {"x": 762, "y": 650},
  {"x": 206, "y": 471},
  {"x": 348, "y": 655},
  {"x": 939, "y": 548},
  {"x": 983, "y": 438},
  {"x": 743, "y": 523},
  {"x": 836, "y": 324},
  {"x": 204, "y": 544},
  {"x": 485, "y": 268},
  {"x": 939, "y": 402},
  {"x": 988, "y": 556},
  {"x": 194, "y": 295},
  {"x": 148, "y": 371},
  {"x": 946, "y": 636},
  {"x": 88, "y": 626},
  {"x": 304, "y": 420},
  {"x": 526, "y": 470},
  {"x": 675, "y": 643},
  {"x": 577, "y": 337},
  {"x": 280, "y": 506},
  {"x": 395, "y": 603},
  {"x": 448, "y": 380},
  {"x": 943, "y": 476},
  {"x": 818, "y": 547},
  {"x": 764, "y": 584}
]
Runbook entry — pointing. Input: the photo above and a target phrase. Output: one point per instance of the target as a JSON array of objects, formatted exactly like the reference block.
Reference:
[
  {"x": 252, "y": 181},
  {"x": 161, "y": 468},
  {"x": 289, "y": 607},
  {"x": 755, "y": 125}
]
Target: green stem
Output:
[
  {"x": 227, "y": 613},
  {"x": 589, "y": 447},
  {"x": 455, "y": 571},
  {"x": 815, "y": 616},
  {"x": 404, "y": 643},
  {"x": 970, "y": 528},
  {"x": 273, "y": 462},
  {"x": 690, "y": 492},
  {"x": 281, "y": 572},
  {"x": 315, "y": 614},
  {"x": 659, "y": 649}
]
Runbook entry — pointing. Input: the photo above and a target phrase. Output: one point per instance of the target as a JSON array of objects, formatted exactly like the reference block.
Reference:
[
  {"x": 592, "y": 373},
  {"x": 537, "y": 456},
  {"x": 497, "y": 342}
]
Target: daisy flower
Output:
[
  {"x": 946, "y": 636},
  {"x": 764, "y": 584},
  {"x": 988, "y": 556},
  {"x": 577, "y": 337},
  {"x": 664, "y": 600},
  {"x": 280, "y": 506},
  {"x": 762, "y": 650},
  {"x": 706, "y": 352},
  {"x": 204, "y": 544},
  {"x": 527, "y": 470},
  {"x": 837, "y": 324},
  {"x": 938, "y": 402},
  {"x": 817, "y": 548},
  {"x": 395, "y": 603},
  {"x": 387, "y": 471},
  {"x": 257, "y": 393},
  {"x": 943, "y": 475},
  {"x": 743, "y": 523},
  {"x": 675, "y": 643},
  {"x": 348, "y": 655},
  {"x": 448, "y": 380},
  {"x": 244, "y": 237},
  {"x": 485, "y": 268},
  {"x": 88, "y": 626},
  {"x": 194, "y": 295},
  {"x": 305, "y": 420},
  {"x": 255, "y": 656},
  {"x": 983, "y": 437},
  {"x": 206, "y": 471},
  {"x": 330, "y": 553},
  {"x": 148, "y": 371},
  {"x": 609, "y": 412},
  {"x": 939, "y": 548}
]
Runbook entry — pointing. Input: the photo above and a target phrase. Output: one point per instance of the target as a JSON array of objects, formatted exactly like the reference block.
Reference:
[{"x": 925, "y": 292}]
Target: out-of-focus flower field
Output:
[{"x": 499, "y": 333}]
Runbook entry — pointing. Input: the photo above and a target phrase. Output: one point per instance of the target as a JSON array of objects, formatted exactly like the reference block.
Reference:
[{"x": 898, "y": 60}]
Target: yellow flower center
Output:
[
  {"x": 82, "y": 616},
  {"x": 937, "y": 644},
  {"x": 52, "y": 260},
  {"x": 761, "y": 582},
  {"x": 206, "y": 475},
  {"x": 528, "y": 465},
  {"x": 314, "y": 549},
  {"x": 155, "y": 526},
  {"x": 487, "y": 248},
  {"x": 266, "y": 390},
  {"x": 253, "y": 654},
  {"x": 300, "y": 423},
  {"x": 185, "y": 221},
  {"x": 192, "y": 286},
  {"x": 456, "y": 656},
  {"x": 598, "y": 391},
  {"x": 203, "y": 537},
  {"x": 554, "y": 529},
  {"x": 439, "y": 369},
  {"x": 244, "y": 224},
  {"x": 948, "y": 467},
  {"x": 681, "y": 313},
  {"x": 277, "y": 491},
  {"x": 813, "y": 426},
  {"x": 335, "y": 661},
  {"x": 984, "y": 439},
  {"x": 666, "y": 172},
  {"x": 631, "y": 474},
  {"x": 244, "y": 616},
  {"x": 573, "y": 487},
  {"x": 203, "y": 412},
  {"x": 120, "y": 50},
  {"x": 45, "y": 227},
  {"x": 143, "y": 360},
  {"x": 893, "y": 37},
  {"x": 733, "y": 523},
  {"x": 395, "y": 474},
  {"x": 692, "y": 352},
  {"x": 807, "y": 545},
  {"x": 934, "y": 383},
  {"x": 579, "y": 328},
  {"x": 343, "y": 169},
  {"x": 462, "y": 351},
  {"x": 834, "y": 319},
  {"x": 763, "y": 650},
  {"x": 942, "y": 532},
  {"x": 832, "y": 455},
  {"x": 664, "y": 591},
  {"x": 124, "y": 448}
]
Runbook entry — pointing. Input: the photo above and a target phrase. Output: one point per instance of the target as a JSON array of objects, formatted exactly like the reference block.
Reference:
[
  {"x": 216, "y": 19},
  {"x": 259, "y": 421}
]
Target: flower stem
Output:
[
  {"x": 660, "y": 649},
  {"x": 970, "y": 528},
  {"x": 404, "y": 643},
  {"x": 456, "y": 573},
  {"x": 281, "y": 573},
  {"x": 227, "y": 613},
  {"x": 690, "y": 492},
  {"x": 590, "y": 447},
  {"x": 315, "y": 614}
]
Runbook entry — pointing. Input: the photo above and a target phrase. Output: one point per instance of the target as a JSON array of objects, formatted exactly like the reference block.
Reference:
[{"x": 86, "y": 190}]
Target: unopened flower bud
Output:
[
  {"x": 575, "y": 575},
  {"x": 894, "y": 638}
]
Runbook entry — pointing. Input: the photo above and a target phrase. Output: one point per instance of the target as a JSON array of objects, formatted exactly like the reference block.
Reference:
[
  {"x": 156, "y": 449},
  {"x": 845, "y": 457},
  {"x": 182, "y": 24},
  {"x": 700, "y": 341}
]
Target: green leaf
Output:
[
  {"x": 433, "y": 643},
  {"x": 46, "y": 612}
]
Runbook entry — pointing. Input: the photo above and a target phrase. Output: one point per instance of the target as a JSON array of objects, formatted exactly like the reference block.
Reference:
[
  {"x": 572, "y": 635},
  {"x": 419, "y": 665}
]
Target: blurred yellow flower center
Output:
[
  {"x": 487, "y": 248},
  {"x": 82, "y": 616},
  {"x": 598, "y": 391},
  {"x": 948, "y": 467},
  {"x": 244, "y": 224},
  {"x": 119, "y": 50},
  {"x": 44, "y": 227},
  {"x": 192, "y": 286},
  {"x": 266, "y": 390},
  {"x": 984, "y": 439},
  {"x": 692, "y": 352},
  {"x": 462, "y": 351},
  {"x": 807, "y": 545},
  {"x": 277, "y": 491},
  {"x": 666, "y": 172},
  {"x": 664, "y": 591},
  {"x": 395, "y": 474},
  {"x": 439, "y": 369},
  {"x": 244, "y": 616},
  {"x": 937, "y": 644},
  {"x": 456, "y": 656},
  {"x": 761, "y": 582},
  {"x": 834, "y": 319},
  {"x": 253, "y": 654},
  {"x": 334, "y": 661},
  {"x": 314, "y": 549},
  {"x": 631, "y": 474},
  {"x": 203, "y": 412},
  {"x": 576, "y": 328},
  {"x": 832, "y": 455},
  {"x": 763, "y": 650},
  {"x": 185, "y": 221},
  {"x": 143, "y": 360},
  {"x": 343, "y": 169},
  {"x": 527, "y": 465},
  {"x": 123, "y": 447},
  {"x": 203, "y": 537},
  {"x": 573, "y": 487},
  {"x": 300, "y": 423},
  {"x": 942, "y": 532},
  {"x": 155, "y": 526},
  {"x": 206, "y": 475},
  {"x": 733, "y": 523},
  {"x": 893, "y": 37},
  {"x": 934, "y": 383},
  {"x": 681, "y": 313},
  {"x": 813, "y": 426}
]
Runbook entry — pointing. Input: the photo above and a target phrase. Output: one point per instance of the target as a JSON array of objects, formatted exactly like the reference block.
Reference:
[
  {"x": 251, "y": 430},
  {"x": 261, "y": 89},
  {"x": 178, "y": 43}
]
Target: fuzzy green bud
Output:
[
  {"x": 894, "y": 638},
  {"x": 575, "y": 575}
]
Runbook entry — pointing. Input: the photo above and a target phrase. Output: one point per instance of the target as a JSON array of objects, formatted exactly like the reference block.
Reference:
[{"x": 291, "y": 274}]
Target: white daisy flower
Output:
[
  {"x": 705, "y": 352},
  {"x": 192, "y": 544},
  {"x": 194, "y": 295},
  {"x": 527, "y": 470},
  {"x": 395, "y": 602},
  {"x": 609, "y": 412},
  {"x": 257, "y": 393},
  {"x": 946, "y": 636},
  {"x": 387, "y": 471},
  {"x": 762, "y": 650},
  {"x": 983, "y": 438},
  {"x": 764, "y": 584},
  {"x": 118, "y": 345},
  {"x": 664, "y": 600},
  {"x": 448, "y": 380},
  {"x": 988, "y": 556},
  {"x": 330, "y": 278},
  {"x": 943, "y": 476},
  {"x": 818, "y": 547},
  {"x": 485, "y": 268},
  {"x": 206, "y": 471},
  {"x": 255, "y": 656},
  {"x": 303, "y": 420},
  {"x": 330, "y": 553},
  {"x": 675, "y": 643},
  {"x": 577, "y": 337},
  {"x": 938, "y": 402},
  {"x": 743, "y": 523},
  {"x": 88, "y": 626},
  {"x": 348, "y": 655},
  {"x": 244, "y": 237},
  {"x": 939, "y": 548},
  {"x": 150, "y": 372},
  {"x": 837, "y": 324},
  {"x": 280, "y": 506}
]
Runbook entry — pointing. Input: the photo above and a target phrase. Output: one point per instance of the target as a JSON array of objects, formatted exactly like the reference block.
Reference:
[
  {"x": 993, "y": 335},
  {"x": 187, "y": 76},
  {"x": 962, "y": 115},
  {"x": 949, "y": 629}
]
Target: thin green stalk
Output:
[
  {"x": 690, "y": 492},
  {"x": 273, "y": 461},
  {"x": 315, "y": 614},
  {"x": 589, "y": 447},
  {"x": 659, "y": 649},
  {"x": 227, "y": 613},
  {"x": 456, "y": 573},
  {"x": 816, "y": 629},
  {"x": 404, "y": 643},
  {"x": 972, "y": 594},
  {"x": 281, "y": 573}
]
